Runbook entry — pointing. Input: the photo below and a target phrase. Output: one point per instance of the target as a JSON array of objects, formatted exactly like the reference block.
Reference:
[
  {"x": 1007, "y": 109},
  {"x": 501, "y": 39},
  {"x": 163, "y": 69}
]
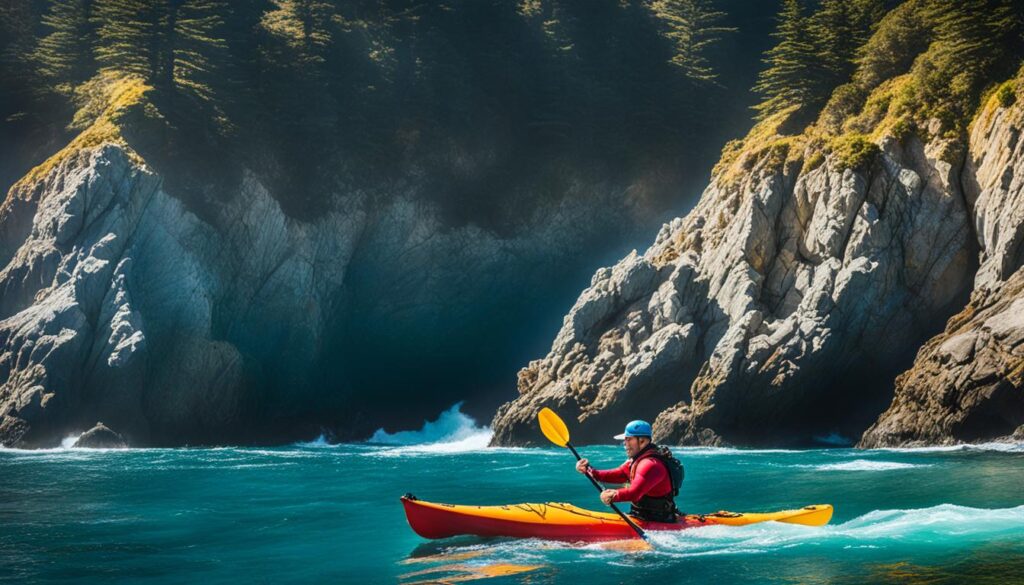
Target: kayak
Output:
[{"x": 558, "y": 521}]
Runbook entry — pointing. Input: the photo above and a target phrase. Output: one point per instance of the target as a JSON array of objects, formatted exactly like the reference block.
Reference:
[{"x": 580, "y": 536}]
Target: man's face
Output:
[{"x": 633, "y": 445}]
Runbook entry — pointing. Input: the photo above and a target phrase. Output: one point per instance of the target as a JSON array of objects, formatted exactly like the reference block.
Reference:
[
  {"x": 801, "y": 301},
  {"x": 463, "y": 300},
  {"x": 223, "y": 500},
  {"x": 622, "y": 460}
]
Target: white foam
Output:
[
  {"x": 65, "y": 445},
  {"x": 258, "y": 465},
  {"x": 864, "y": 465},
  {"x": 945, "y": 519},
  {"x": 697, "y": 451},
  {"x": 450, "y": 427},
  {"x": 998, "y": 446},
  {"x": 317, "y": 443},
  {"x": 68, "y": 442},
  {"x": 277, "y": 453},
  {"x": 474, "y": 442},
  {"x": 945, "y": 525},
  {"x": 877, "y": 528},
  {"x": 452, "y": 432}
]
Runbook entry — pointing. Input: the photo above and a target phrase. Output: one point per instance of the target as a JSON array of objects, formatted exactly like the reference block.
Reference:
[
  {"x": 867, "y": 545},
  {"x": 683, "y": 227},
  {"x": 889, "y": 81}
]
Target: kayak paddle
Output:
[{"x": 556, "y": 432}]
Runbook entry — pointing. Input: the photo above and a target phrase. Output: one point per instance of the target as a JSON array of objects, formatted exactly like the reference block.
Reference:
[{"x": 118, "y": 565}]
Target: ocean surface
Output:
[{"x": 315, "y": 512}]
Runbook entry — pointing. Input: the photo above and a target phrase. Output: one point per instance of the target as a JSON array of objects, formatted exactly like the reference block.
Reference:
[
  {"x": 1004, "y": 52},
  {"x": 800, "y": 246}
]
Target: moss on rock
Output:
[{"x": 854, "y": 151}]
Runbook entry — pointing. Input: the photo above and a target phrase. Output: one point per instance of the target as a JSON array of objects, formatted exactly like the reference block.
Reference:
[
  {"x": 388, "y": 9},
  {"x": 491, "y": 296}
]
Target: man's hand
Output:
[
  {"x": 582, "y": 465},
  {"x": 608, "y": 495}
]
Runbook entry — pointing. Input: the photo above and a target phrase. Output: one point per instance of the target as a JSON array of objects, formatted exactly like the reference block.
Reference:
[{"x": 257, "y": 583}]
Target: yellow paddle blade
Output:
[{"x": 553, "y": 427}]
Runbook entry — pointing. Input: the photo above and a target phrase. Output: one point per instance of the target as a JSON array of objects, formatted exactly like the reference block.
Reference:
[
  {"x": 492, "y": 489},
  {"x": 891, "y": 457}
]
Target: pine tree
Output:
[
  {"x": 833, "y": 31},
  {"x": 64, "y": 54},
  {"x": 17, "y": 41},
  {"x": 792, "y": 65},
  {"x": 17, "y": 20},
  {"x": 128, "y": 36},
  {"x": 200, "y": 64},
  {"x": 178, "y": 46},
  {"x": 304, "y": 27},
  {"x": 893, "y": 46},
  {"x": 301, "y": 36},
  {"x": 692, "y": 27},
  {"x": 839, "y": 29},
  {"x": 973, "y": 39},
  {"x": 296, "y": 78},
  {"x": 975, "y": 33},
  {"x": 553, "y": 22}
]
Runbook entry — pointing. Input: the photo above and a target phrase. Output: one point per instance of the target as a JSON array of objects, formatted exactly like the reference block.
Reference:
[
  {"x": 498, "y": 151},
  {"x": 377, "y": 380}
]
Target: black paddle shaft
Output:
[{"x": 632, "y": 524}]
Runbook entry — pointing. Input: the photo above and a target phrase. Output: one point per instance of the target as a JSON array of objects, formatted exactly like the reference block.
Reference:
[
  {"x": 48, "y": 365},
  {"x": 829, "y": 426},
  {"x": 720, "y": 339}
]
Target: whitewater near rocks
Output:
[{"x": 935, "y": 513}]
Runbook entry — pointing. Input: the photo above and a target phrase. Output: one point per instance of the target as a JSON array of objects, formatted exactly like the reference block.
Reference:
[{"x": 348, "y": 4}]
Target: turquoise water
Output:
[{"x": 316, "y": 513}]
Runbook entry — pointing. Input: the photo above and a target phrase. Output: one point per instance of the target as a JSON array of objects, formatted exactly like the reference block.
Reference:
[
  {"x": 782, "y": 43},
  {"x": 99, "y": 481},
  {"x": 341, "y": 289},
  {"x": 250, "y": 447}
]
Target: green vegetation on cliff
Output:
[
  {"x": 923, "y": 69},
  {"x": 814, "y": 54},
  {"x": 478, "y": 96}
]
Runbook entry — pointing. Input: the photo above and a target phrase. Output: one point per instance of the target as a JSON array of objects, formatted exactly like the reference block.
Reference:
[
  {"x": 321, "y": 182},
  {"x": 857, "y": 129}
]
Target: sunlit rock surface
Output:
[
  {"x": 779, "y": 309},
  {"x": 783, "y": 307}
]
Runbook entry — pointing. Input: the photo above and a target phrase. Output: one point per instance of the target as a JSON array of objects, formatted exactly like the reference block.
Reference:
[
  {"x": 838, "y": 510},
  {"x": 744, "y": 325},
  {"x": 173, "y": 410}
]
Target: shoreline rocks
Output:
[
  {"x": 750, "y": 320},
  {"x": 100, "y": 437},
  {"x": 795, "y": 297},
  {"x": 967, "y": 383}
]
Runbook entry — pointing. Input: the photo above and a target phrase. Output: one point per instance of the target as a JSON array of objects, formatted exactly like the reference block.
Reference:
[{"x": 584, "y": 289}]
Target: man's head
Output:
[{"x": 636, "y": 437}]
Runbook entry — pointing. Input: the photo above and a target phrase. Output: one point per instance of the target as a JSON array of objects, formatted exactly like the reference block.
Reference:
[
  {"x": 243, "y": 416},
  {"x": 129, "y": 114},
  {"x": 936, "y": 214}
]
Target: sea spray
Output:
[{"x": 452, "y": 432}]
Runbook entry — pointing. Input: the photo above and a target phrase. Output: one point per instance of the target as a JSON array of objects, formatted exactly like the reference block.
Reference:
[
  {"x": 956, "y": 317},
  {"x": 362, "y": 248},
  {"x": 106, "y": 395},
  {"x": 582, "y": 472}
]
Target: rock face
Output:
[
  {"x": 100, "y": 437},
  {"x": 775, "y": 311},
  {"x": 119, "y": 303},
  {"x": 967, "y": 383},
  {"x": 784, "y": 305},
  {"x": 67, "y": 314}
]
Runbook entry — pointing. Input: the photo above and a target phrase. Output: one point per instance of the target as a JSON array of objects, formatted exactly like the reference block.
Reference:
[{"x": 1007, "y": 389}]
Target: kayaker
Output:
[{"x": 649, "y": 473}]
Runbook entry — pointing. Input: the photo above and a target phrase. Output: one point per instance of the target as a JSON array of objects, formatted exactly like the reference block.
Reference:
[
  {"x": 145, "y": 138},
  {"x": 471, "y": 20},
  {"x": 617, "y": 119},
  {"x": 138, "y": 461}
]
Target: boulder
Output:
[{"x": 100, "y": 437}]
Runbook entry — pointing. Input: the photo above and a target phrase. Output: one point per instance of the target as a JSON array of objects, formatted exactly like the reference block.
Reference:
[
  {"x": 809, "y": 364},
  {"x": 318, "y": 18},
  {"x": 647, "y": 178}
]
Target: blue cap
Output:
[{"x": 637, "y": 428}]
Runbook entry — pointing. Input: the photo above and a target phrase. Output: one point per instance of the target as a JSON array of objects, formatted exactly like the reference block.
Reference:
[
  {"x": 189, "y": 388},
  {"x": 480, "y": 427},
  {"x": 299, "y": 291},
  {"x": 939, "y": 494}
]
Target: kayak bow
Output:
[{"x": 558, "y": 521}]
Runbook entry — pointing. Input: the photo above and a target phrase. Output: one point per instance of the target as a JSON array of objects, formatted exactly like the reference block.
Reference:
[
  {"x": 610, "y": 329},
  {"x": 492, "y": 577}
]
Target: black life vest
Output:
[{"x": 658, "y": 508}]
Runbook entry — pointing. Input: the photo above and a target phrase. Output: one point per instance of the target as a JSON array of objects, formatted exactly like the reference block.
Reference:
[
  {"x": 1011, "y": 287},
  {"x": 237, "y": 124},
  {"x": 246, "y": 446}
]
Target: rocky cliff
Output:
[
  {"x": 966, "y": 383},
  {"x": 276, "y": 219},
  {"x": 781, "y": 308},
  {"x": 118, "y": 302},
  {"x": 269, "y": 295}
]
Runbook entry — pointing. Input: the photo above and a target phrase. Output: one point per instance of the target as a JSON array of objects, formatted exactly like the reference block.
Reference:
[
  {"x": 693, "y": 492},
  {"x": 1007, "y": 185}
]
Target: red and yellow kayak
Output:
[{"x": 567, "y": 522}]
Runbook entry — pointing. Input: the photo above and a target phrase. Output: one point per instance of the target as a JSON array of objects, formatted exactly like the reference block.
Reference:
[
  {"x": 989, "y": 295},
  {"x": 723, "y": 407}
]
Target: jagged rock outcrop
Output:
[
  {"x": 785, "y": 304},
  {"x": 66, "y": 312},
  {"x": 771, "y": 312},
  {"x": 100, "y": 437},
  {"x": 119, "y": 303},
  {"x": 967, "y": 383}
]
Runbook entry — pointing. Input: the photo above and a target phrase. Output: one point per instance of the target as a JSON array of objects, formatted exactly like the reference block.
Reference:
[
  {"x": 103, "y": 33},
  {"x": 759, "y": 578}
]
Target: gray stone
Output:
[
  {"x": 123, "y": 304},
  {"x": 791, "y": 282},
  {"x": 100, "y": 437},
  {"x": 966, "y": 382}
]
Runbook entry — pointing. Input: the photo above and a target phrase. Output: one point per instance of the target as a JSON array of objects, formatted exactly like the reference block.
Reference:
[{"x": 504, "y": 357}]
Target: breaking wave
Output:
[
  {"x": 942, "y": 526},
  {"x": 452, "y": 432},
  {"x": 945, "y": 523}
]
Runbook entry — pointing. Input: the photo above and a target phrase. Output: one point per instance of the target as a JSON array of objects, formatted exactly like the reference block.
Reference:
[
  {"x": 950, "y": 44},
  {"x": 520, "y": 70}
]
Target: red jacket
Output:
[{"x": 651, "y": 479}]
